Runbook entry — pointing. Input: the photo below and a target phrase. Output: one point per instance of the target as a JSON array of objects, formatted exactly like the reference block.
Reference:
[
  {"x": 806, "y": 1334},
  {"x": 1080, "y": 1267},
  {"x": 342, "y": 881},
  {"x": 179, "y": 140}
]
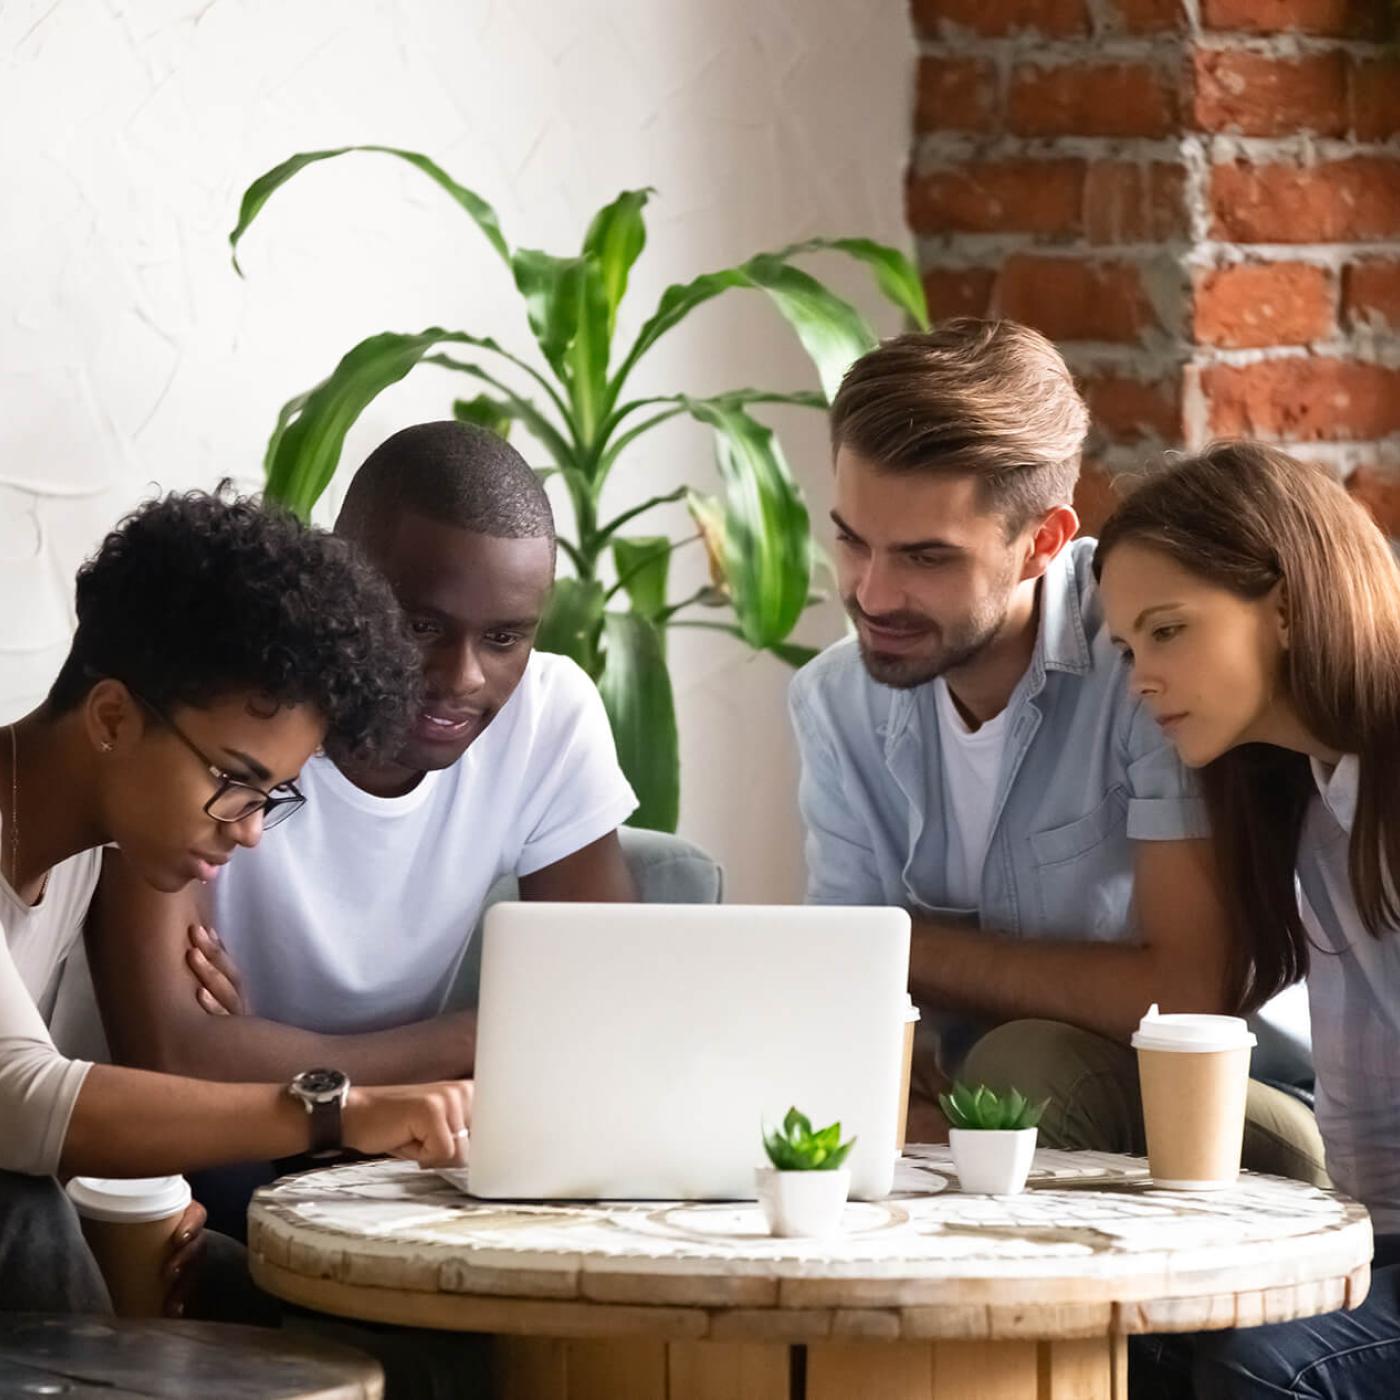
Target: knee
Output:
[
  {"x": 45, "y": 1264},
  {"x": 1040, "y": 1058}
]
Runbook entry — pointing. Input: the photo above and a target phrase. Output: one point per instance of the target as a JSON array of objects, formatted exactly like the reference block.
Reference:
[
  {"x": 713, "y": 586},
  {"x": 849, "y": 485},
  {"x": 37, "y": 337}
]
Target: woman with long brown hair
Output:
[{"x": 1258, "y": 608}]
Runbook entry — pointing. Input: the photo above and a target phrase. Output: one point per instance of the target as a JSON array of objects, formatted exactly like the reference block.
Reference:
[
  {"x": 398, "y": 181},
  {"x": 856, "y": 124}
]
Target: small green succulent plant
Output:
[
  {"x": 981, "y": 1108},
  {"x": 796, "y": 1148}
]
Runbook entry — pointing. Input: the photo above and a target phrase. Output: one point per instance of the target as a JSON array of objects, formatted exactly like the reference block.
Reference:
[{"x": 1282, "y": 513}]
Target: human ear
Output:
[
  {"x": 1279, "y": 601},
  {"x": 1056, "y": 529},
  {"x": 112, "y": 719}
]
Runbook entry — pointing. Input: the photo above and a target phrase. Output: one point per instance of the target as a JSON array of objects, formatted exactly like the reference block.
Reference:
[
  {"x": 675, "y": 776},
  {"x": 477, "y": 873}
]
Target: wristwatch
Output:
[{"x": 322, "y": 1093}]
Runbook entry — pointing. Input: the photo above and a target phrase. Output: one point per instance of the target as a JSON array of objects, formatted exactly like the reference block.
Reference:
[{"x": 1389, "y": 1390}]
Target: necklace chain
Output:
[{"x": 14, "y": 808}]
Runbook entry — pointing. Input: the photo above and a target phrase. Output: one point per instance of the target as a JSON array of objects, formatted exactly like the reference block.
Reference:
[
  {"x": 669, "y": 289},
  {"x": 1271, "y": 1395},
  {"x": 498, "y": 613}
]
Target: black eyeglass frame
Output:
[{"x": 274, "y": 809}]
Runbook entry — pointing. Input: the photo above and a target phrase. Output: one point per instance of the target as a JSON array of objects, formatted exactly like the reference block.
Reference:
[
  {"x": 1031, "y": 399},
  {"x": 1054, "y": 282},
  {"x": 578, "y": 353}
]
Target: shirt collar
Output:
[{"x": 1338, "y": 785}]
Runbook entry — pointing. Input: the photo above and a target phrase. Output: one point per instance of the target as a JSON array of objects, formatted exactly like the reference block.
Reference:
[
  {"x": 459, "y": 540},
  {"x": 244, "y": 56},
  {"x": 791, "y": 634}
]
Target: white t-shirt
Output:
[
  {"x": 355, "y": 914},
  {"x": 971, "y": 762},
  {"x": 38, "y": 1086}
]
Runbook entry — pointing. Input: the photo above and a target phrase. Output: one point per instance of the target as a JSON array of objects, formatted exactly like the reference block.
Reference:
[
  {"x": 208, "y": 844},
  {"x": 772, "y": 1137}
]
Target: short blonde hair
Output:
[{"x": 992, "y": 399}]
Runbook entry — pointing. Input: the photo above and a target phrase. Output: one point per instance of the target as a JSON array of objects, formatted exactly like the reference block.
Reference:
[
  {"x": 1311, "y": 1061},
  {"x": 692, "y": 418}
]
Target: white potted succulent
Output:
[
  {"x": 992, "y": 1137},
  {"x": 803, "y": 1191}
]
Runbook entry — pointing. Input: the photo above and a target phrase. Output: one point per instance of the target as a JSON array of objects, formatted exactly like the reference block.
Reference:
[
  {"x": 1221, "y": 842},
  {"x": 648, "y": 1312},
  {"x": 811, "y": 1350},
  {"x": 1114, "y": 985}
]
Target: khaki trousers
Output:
[{"x": 1092, "y": 1085}]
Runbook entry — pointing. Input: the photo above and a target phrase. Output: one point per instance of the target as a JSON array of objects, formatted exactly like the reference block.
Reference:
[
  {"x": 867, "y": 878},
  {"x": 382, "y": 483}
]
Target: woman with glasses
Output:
[{"x": 218, "y": 646}]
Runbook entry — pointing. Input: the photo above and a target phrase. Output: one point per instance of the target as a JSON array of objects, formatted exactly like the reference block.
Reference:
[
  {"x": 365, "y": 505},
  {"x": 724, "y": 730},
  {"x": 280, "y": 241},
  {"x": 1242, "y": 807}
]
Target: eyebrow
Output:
[
  {"x": 251, "y": 764},
  {"x": 1141, "y": 618},
  {"x": 913, "y": 547}
]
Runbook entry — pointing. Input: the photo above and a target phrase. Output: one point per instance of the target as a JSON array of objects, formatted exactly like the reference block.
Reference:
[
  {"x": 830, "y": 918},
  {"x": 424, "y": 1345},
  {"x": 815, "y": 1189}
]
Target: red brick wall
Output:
[{"x": 1200, "y": 202}]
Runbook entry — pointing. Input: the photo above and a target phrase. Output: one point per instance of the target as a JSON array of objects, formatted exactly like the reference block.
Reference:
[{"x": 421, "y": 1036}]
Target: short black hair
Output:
[
  {"x": 456, "y": 473},
  {"x": 200, "y": 595}
]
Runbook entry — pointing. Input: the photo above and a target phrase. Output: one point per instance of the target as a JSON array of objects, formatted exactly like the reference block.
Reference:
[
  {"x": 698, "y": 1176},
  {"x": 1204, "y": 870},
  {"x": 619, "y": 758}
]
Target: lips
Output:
[
  {"x": 1169, "y": 722},
  {"x": 207, "y": 868},
  {"x": 891, "y": 638},
  {"x": 438, "y": 725}
]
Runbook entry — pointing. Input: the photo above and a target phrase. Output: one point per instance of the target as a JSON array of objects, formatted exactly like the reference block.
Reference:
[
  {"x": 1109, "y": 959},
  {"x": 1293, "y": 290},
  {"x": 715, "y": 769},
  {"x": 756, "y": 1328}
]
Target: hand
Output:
[
  {"x": 182, "y": 1264},
  {"x": 219, "y": 985},
  {"x": 425, "y": 1123}
]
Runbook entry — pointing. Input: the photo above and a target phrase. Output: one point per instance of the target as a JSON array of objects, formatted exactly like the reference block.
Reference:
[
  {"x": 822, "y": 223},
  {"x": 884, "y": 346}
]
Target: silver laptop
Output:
[{"x": 636, "y": 1051}]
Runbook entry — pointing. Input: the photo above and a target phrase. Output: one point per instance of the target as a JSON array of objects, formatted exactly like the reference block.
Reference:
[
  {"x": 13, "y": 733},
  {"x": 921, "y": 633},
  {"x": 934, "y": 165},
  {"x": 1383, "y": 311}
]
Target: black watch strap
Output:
[{"x": 326, "y": 1136}]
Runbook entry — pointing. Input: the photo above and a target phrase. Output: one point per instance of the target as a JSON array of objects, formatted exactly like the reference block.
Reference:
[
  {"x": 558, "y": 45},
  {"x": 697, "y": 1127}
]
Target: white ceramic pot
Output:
[
  {"x": 804, "y": 1205},
  {"x": 992, "y": 1162}
]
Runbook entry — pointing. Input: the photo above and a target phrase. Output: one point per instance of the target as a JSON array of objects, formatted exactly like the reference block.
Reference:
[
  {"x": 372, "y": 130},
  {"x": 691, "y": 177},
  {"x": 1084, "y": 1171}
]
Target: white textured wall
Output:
[{"x": 131, "y": 356}]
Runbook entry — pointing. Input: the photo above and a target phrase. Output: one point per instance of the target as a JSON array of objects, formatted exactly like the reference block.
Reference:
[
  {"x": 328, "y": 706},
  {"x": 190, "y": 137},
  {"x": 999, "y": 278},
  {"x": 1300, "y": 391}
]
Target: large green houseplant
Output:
[{"x": 612, "y": 614}]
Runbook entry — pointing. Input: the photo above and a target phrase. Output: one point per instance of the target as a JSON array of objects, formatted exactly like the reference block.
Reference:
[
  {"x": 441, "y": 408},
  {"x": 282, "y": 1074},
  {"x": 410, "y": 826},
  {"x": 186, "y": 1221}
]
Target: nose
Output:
[
  {"x": 1142, "y": 681},
  {"x": 248, "y": 831},
  {"x": 877, "y": 590},
  {"x": 461, "y": 673}
]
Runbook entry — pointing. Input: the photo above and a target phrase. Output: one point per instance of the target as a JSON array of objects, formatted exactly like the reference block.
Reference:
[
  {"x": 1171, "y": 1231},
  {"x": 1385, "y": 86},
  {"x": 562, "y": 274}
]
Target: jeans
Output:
[{"x": 1339, "y": 1356}]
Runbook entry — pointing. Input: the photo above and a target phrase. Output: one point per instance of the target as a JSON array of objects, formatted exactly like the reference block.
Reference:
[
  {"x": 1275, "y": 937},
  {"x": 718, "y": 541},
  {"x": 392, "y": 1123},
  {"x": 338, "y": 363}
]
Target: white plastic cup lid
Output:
[
  {"x": 1186, "y": 1031},
  {"x": 129, "y": 1200},
  {"x": 911, "y": 1012}
]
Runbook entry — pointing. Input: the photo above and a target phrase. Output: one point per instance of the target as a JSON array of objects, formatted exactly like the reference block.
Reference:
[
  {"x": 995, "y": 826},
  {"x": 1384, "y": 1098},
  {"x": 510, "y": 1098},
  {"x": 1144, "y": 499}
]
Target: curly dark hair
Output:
[{"x": 200, "y": 595}]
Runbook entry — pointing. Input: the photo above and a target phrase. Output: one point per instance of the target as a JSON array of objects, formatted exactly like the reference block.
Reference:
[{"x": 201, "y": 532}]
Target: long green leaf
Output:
[
  {"x": 486, "y": 412},
  {"x": 568, "y": 313},
  {"x": 571, "y": 622},
  {"x": 262, "y": 189},
  {"x": 307, "y": 442},
  {"x": 636, "y": 690},
  {"x": 615, "y": 240},
  {"x": 643, "y": 564},
  {"x": 767, "y": 540},
  {"x": 831, "y": 330},
  {"x": 895, "y": 275}
]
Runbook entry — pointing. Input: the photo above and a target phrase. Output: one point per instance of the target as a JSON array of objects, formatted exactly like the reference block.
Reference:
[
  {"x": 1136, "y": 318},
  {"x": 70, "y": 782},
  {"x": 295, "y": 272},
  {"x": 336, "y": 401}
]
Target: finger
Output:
[
  {"x": 210, "y": 1004},
  {"x": 215, "y": 981},
  {"x": 186, "y": 1257}
]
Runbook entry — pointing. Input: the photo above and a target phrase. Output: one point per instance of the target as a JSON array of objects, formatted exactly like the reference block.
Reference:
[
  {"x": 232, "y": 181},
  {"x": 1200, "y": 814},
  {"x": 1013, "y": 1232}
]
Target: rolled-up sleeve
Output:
[
  {"x": 38, "y": 1086},
  {"x": 1164, "y": 800},
  {"x": 841, "y": 864}
]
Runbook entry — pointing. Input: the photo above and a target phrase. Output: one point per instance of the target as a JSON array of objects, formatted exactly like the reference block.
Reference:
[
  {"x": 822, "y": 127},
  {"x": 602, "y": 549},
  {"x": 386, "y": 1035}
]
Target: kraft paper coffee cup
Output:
[
  {"x": 128, "y": 1225},
  {"x": 911, "y": 1019},
  {"x": 1194, "y": 1072}
]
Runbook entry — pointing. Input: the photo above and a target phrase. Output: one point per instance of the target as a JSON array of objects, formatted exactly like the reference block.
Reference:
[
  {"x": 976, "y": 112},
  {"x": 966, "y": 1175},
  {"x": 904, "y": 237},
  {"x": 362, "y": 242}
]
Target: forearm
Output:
[
  {"x": 1103, "y": 987},
  {"x": 127, "y": 1122},
  {"x": 248, "y": 1048}
]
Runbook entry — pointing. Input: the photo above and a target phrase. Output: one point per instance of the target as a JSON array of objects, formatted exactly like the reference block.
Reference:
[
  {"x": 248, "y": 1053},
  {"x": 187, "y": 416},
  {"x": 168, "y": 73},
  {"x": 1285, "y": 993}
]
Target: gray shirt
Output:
[
  {"x": 1354, "y": 999},
  {"x": 1085, "y": 772}
]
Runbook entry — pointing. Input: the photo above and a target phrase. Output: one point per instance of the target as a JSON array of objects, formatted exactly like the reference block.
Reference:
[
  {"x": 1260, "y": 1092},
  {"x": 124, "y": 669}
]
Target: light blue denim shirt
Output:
[{"x": 1086, "y": 771}]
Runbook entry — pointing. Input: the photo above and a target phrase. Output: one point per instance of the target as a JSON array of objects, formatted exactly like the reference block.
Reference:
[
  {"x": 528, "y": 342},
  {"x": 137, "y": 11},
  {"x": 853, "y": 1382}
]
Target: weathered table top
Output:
[
  {"x": 108, "y": 1358},
  {"x": 1091, "y": 1249}
]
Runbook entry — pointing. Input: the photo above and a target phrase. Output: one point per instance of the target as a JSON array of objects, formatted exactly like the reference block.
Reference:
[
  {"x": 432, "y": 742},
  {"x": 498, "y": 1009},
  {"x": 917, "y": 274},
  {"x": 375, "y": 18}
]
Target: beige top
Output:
[{"x": 38, "y": 1086}]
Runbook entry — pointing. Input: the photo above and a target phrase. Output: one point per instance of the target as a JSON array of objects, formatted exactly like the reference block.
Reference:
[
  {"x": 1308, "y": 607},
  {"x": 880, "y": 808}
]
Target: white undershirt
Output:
[{"x": 971, "y": 762}]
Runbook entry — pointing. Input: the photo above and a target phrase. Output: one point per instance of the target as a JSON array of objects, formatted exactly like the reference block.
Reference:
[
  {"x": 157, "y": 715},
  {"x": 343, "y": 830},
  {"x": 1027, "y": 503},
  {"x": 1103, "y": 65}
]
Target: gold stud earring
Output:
[{"x": 106, "y": 746}]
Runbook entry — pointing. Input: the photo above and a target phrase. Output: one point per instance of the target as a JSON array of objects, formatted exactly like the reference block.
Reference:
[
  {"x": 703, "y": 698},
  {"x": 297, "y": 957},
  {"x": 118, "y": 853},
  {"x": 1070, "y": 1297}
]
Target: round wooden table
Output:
[{"x": 930, "y": 1294}]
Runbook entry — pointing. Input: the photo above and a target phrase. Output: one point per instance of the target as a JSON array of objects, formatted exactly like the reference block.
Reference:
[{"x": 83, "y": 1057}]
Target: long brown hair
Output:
[{"x": 1247, "y": 518}]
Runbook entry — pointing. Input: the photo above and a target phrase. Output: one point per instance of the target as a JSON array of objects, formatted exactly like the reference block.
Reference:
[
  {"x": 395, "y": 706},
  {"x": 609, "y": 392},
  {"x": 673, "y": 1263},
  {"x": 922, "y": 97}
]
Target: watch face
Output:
[{"x": 318, "y": 1083}]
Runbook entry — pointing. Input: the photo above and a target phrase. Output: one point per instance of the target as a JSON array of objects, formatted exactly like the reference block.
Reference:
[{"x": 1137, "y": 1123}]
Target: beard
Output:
[{"x": 947, "y": 647}]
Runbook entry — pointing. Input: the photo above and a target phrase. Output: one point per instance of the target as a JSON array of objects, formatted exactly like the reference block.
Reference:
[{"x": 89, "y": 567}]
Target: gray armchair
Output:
[{"x": 666, "y": 869}]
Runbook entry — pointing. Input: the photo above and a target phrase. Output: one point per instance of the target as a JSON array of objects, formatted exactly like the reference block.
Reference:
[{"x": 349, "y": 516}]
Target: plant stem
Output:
[{"x": 613, "y": 526}]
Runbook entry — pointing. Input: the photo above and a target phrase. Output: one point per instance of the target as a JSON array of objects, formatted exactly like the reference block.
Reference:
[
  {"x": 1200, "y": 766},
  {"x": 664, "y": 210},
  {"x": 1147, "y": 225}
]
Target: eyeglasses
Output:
[{"x": 235, "y": 800}]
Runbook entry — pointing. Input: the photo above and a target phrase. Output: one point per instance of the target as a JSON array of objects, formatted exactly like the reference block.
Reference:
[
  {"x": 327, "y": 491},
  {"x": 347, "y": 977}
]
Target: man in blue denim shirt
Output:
[{"x": 973, "y": 755}]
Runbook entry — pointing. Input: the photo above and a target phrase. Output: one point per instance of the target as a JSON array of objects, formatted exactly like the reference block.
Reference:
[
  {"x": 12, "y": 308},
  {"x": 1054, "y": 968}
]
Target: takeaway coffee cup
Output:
[
  {"x": 128, "y": 1225},
  {"x": 911, "y": 1019},
  {"x": 1194, "y": 1072}
]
